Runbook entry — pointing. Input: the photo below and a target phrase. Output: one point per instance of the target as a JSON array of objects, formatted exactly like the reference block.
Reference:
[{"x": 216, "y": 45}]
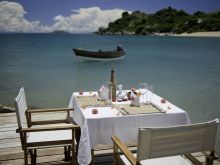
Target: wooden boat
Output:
[{"x": 99, "y": 55}]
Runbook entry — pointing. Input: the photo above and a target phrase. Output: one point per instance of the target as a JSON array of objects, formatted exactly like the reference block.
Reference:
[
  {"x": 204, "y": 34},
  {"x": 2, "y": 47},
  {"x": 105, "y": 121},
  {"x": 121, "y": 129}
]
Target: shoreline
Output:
[
  {"x": 195, "y": 34},
  {"x": 199, "y": 34}
]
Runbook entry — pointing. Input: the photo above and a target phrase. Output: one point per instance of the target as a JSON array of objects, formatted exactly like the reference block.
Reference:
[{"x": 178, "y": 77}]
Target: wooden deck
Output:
[{"x": 12, "y": 154}]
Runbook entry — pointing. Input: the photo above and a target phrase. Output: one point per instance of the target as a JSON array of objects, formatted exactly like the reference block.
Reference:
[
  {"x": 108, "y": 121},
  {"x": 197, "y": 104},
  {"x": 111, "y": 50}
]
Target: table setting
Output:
[
  {"x": 111, "y": 110},
  {"x": 99, "y": 119}
]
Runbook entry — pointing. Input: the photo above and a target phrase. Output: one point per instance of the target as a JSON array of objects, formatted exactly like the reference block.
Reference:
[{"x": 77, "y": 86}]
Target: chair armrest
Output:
[
  {"x": 123, "y": 148},
  {"x": 29, "y": 113},
  {"x": 39, "y": 129},
  {"x": 48, "y": 110}
]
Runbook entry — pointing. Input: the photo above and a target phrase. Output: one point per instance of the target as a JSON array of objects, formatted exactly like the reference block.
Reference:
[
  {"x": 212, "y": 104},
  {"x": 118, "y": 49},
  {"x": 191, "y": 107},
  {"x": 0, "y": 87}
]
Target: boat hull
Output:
[
  {"x": 82, "y": 58},
  {"x": 99, "y": 55}
]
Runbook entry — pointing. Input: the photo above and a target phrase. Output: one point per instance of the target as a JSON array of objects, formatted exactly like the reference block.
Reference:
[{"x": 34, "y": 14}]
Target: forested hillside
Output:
[{"x": 167, "y": 20}]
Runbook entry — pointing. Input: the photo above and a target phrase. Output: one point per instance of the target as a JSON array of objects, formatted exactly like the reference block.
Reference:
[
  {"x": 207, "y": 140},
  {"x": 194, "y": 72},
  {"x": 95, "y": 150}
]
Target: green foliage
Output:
[{"x": 167, "y": 20}]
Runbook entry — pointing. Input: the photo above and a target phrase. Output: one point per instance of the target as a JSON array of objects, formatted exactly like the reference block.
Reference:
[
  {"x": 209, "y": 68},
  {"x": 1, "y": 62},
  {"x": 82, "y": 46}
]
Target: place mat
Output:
[
  {"x": 126, "y": 109},
  {"x": 86, "y": 101}
]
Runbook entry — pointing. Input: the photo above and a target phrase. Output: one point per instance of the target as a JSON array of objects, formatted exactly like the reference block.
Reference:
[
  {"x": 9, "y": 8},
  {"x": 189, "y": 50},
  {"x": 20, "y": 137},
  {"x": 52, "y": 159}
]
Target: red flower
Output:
[
  {"x": 94, "y": 111},
  {"x": 163, "y": 101}
]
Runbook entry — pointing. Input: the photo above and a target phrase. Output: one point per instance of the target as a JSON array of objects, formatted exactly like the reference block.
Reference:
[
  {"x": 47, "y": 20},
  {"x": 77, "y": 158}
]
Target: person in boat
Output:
[{"x": 120, "y": 48}]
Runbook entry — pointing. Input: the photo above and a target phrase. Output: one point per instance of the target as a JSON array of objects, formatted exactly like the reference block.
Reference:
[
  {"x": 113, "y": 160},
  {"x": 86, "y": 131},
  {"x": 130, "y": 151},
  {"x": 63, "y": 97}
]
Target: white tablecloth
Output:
[{"x": 98, "y": 128}]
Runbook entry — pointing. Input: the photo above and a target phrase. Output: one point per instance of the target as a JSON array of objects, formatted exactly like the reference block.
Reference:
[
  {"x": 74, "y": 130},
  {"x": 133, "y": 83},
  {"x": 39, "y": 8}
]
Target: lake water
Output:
[{"x": 184, "y": 70}]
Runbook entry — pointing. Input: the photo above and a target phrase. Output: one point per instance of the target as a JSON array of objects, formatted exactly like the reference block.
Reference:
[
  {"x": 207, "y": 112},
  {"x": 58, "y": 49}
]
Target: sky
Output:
[{"x": 82, "y": 16}]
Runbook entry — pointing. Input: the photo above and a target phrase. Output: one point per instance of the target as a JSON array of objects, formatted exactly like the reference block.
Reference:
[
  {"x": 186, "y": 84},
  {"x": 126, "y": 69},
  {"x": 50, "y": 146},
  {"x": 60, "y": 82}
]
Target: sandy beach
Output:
[{"x": 200, "y": 34}]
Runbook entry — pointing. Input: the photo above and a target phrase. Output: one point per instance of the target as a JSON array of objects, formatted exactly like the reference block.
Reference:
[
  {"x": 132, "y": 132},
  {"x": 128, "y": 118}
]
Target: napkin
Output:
[
  {"x": 121, "y": 94},
  {"x": 135, "y": 99},
  {"x": 103, "y": 93}
]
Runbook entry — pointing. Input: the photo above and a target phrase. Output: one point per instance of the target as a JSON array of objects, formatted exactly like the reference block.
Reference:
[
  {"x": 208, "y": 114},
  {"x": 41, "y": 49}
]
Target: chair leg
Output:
[
  {"x": 25, "y": 156},
  {"x": 66, "y": 154},
  {"x": 93, "y": 154},
  {"x": 210, "y": 158},
  {"x": 33, "y": 155},
  {"x": 73, "y": 154},
  {"x": 115, "y": 155}
]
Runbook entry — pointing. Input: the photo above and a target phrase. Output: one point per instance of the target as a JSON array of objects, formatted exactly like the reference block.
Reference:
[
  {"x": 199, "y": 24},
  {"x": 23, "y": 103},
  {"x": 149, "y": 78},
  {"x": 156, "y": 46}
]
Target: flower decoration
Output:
[
  {"x": 163, "y": 101},
  {"x": 95, "y": 111}
]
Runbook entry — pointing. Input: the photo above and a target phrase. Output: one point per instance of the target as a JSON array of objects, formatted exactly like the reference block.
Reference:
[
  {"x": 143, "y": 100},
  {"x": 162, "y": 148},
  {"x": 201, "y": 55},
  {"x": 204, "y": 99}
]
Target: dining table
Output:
[{"x": 99, "y": 120}]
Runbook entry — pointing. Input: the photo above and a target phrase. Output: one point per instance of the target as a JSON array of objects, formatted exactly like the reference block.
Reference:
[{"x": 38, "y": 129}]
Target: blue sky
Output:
[{"x": 83, "y": 15}]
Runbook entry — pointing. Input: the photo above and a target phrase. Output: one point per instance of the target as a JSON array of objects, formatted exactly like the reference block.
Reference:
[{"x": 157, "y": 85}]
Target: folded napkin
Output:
[
  {"x": 103, "y": 93},
  {"x": 121, "y": 94},
  {"x": 135, "y": 99}
]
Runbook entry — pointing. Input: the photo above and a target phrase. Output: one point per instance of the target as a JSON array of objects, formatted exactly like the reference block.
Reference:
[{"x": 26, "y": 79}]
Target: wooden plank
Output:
[
  {"x": 11, "y": 162},
  {"x": 7, "y": 114},
  {"x": 12, "y": 155},
  {"x": 11, "y": 152},
  {"x": 4, "y": 125},
  {"x": 4, "y": 129},
  {"x": 8, "y": 121},
  {"x": 2, "y": 141},
  {"x": 58, "y": 159},
  {"x": 49, "y": 160},
  {"x": 9, "y": 134},
  {"x": 18, "y": 153},
  {"x": 10, "y": 144},
  {"x": 104, "y": 159}
]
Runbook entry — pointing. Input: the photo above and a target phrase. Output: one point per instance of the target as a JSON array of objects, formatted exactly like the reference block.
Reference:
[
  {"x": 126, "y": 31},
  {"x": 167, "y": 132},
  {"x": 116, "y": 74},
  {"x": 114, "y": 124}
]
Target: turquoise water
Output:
[{"x": 185, "y": 71}]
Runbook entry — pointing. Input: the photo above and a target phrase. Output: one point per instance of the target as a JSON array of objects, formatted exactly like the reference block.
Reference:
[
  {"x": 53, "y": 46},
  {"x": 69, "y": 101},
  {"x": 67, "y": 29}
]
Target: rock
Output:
[{"x": 6, "y": 109}]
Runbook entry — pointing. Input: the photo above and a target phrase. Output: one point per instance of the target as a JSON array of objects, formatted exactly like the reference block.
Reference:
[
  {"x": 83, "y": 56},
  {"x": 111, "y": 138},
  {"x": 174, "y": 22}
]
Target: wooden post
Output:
[{"x": 113, "y": 85}]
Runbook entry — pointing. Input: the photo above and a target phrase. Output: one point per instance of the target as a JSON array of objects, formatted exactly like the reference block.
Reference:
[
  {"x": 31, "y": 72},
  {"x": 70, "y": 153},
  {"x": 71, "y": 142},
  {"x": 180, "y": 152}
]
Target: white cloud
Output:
[
  {"x": 12, "y": 19},
  {"x": 86, "y": 19}
]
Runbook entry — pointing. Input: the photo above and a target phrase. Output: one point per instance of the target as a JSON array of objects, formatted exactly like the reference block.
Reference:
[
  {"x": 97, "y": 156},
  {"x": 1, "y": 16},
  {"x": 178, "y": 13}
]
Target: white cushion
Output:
[
  {"x": 49, "y": 136},
  {"x": 172, "y": 160}
]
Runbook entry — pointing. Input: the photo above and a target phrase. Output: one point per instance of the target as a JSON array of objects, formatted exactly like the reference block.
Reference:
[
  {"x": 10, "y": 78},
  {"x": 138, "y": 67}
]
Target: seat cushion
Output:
[
  {"x": 49, "y": 136},
  {"x": 172, "y": 160}
]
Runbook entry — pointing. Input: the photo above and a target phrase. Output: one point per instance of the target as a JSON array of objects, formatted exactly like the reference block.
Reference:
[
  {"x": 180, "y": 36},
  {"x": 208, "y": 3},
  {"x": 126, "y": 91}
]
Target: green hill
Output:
[{"x": 167, "y": 20}]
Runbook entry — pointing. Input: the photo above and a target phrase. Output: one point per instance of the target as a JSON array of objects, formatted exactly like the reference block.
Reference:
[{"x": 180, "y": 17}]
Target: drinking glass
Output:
[
  {"x": 149, "y": 94},
  {"x": 143, "y": 91}
]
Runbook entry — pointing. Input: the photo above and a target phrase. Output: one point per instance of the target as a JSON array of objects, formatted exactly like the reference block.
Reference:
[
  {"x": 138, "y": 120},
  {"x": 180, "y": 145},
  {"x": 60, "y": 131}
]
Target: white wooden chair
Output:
[
  {"x": 33, "y": 138},
  {"x": 165, "y": 145}
]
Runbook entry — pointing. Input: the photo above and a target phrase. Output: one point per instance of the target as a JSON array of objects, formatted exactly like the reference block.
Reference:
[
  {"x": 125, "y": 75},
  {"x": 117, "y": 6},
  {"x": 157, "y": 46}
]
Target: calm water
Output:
[{"x": 185, "y": 71}]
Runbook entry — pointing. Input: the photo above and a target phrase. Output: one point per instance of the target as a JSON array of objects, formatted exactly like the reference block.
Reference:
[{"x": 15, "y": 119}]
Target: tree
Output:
[
  {"x": 166, "y": 20},
  {"x": 125, "y": 14},
  {"x": 101, "y": 30}
]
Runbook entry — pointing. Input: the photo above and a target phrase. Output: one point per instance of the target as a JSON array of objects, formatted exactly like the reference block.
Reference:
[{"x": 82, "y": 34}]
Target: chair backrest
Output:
[
  {"x": 171, "y": 141},
  {"x": 20, "y": 106}
]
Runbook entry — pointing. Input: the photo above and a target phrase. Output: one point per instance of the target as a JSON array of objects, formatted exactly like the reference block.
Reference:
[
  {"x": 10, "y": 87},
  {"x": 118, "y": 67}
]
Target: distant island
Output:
[
  {"x": 165, "y": 21},
  {"x": 60, "y": 32}
]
